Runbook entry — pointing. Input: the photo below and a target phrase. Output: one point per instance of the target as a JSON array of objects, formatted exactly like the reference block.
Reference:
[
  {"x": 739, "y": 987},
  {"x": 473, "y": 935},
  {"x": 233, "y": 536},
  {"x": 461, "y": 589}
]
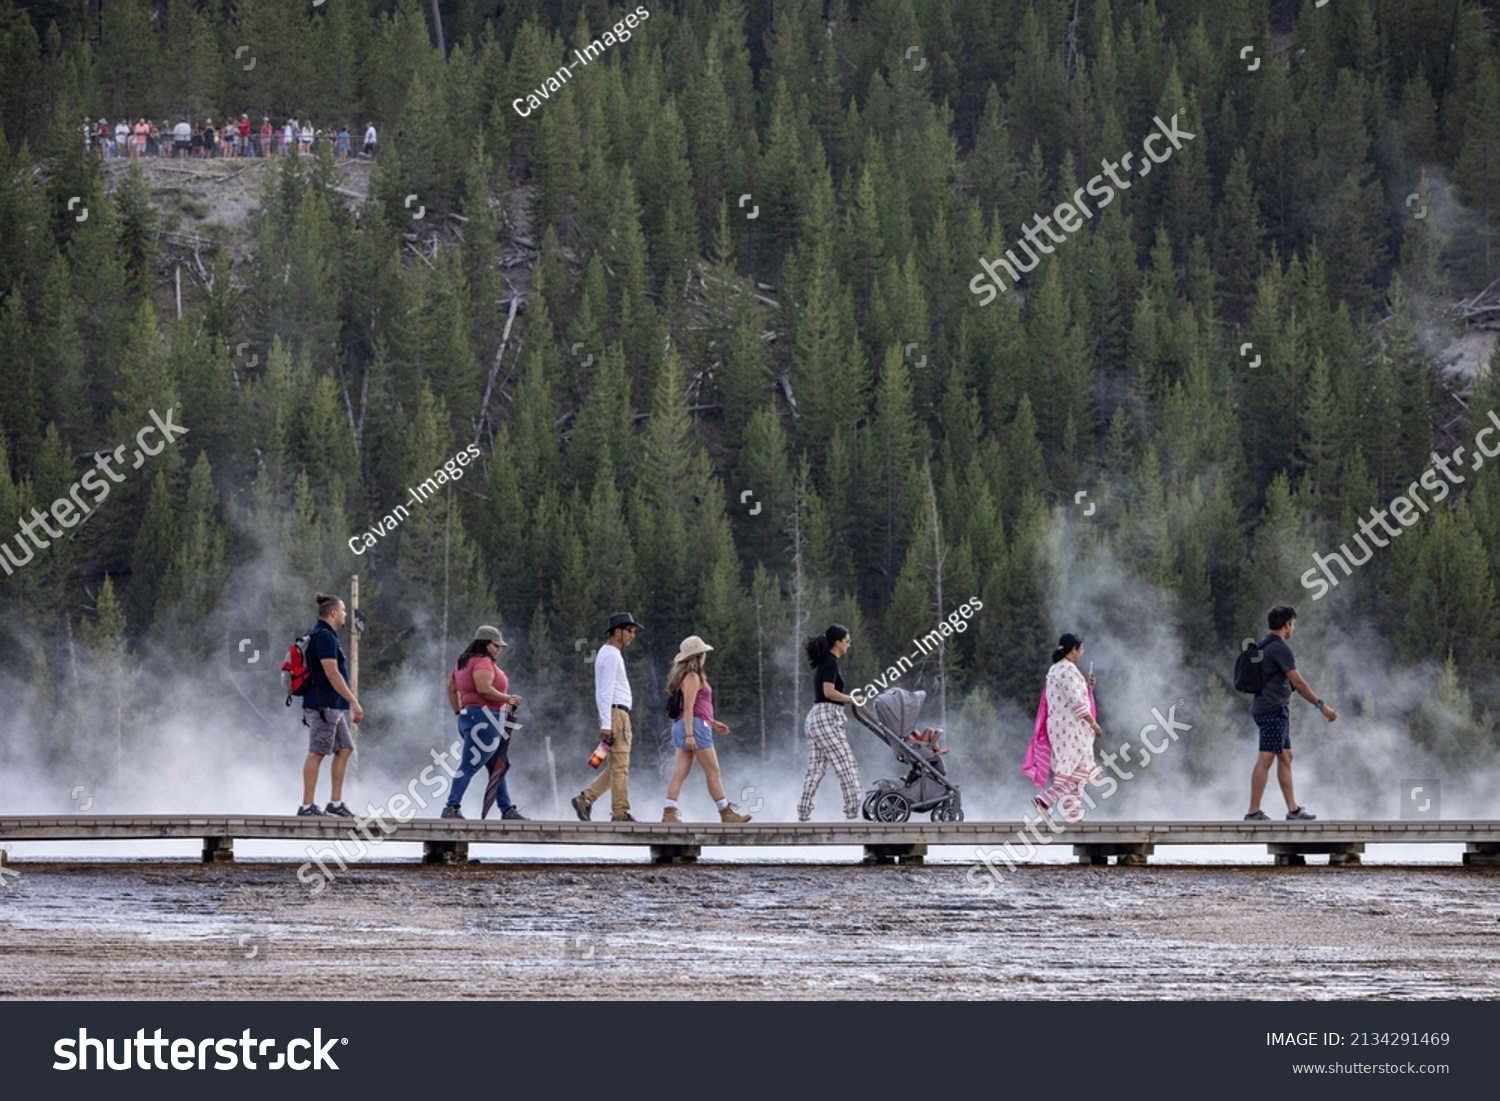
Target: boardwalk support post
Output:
[
  {"x": 218, "y": 850},
  {"x": 445, "y": 852},
  {"x": 1482, "y": 854},
  {"x": 675, "y": 854},
  {"x": 1295, "y": 853},
  {"x": 1127, "y": 854},
  {"x": 914, "y": 853}
]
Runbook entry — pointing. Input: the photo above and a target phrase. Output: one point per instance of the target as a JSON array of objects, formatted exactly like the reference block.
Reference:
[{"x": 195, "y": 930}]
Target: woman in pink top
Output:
[
  {"x": 479, "y": 694},
  {"x": 693, "y": 731}
]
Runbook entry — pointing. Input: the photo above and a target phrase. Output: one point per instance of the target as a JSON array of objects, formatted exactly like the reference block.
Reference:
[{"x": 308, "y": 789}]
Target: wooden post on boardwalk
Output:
[{"x": 354, "y": 635}]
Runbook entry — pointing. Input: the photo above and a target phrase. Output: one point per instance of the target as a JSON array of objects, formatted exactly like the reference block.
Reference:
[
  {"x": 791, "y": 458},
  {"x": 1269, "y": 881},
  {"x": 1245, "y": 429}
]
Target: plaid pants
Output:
[{"x": 827, "y": 745}]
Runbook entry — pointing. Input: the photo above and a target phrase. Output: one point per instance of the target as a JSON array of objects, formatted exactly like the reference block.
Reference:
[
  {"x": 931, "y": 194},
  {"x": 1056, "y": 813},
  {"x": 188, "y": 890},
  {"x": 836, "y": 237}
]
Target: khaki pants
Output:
[{"x": 614, "y": 774}]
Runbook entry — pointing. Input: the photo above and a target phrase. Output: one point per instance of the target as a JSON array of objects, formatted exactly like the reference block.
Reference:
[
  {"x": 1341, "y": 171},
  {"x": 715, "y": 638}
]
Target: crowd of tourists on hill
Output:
[{"x": 229, "y": 138}]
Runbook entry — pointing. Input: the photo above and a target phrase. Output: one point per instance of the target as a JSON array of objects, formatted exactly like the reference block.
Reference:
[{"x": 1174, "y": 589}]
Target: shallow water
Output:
[{"x": 735, "y": 930}]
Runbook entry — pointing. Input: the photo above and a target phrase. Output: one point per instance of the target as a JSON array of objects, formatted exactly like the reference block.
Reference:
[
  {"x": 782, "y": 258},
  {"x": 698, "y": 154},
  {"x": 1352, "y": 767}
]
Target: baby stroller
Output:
[{"x": 891, "y": 715}]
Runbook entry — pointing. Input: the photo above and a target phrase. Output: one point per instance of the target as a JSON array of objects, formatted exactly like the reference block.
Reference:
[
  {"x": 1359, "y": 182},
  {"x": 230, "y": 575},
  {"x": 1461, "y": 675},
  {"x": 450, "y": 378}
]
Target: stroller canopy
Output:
[{"x": 897, "y": 710}]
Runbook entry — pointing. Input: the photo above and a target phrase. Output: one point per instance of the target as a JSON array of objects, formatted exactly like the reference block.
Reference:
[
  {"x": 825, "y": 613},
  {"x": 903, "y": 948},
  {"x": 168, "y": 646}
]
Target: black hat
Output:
[{"x": 618, "y": 620}]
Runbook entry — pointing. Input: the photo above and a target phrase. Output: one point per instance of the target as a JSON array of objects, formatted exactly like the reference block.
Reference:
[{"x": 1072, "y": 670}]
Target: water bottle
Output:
[{"x": 601, "y": 752}]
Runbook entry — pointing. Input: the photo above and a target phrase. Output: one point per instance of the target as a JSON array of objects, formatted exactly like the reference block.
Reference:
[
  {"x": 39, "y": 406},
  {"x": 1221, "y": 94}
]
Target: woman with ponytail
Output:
[
  {"x": 1066, "y": 723},
  {"x": 827, "y": 744}
]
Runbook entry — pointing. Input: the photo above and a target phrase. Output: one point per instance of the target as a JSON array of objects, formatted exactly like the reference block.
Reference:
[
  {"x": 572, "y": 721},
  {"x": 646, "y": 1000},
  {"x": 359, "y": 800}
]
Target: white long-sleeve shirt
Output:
[{"x": 611, "y": 685}]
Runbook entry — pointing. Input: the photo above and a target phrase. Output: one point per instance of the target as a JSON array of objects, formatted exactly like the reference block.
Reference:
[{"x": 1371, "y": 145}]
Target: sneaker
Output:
[
  {"x": 310, "y": 811},
  {"x": 1301, "y": 814},
  {"x": 626, "y": 817},
  {"x": 1258, "y": 816},
  {"x": 730, "y": 814},
  {"x": 451, "y": 810},
  {"x": 513, "y": 814},
  {"x": 338, "y": 810},
  {"x": 671, "y": 815},
  {"x": 582, "y": 806}
]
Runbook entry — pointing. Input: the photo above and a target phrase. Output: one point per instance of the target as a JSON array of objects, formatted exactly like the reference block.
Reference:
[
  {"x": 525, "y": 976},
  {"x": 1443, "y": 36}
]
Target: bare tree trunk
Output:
[
  {"x": 938, "y": 557},
  {"x": 437, "y": 21},
  {"x": 760, "y": 680},
  {"x": 798, "y": 626},
  {"x": 489, "y": 386},
  {"x": 354, "y": 634}
]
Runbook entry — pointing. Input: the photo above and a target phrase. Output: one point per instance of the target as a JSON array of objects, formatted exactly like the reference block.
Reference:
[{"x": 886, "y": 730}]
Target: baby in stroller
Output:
[
  {"x": 925, "y": 786},
  {"x": 928, "y": 737}
]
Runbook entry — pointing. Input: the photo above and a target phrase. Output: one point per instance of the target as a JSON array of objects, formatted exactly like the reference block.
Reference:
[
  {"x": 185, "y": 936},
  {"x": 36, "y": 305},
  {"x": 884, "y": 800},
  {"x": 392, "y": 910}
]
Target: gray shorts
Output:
[{"x": 330, "y": 735}]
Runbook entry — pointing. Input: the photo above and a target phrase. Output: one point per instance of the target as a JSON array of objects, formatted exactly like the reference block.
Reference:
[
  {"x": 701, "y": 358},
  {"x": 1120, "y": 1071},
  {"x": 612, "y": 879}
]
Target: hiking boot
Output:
[
  {"x": 671, "y": 815},
  {"x": 582, "y": 807},
  {"x": 338, "y": 810},
  {"x": 310, "y": 811},
  {"x": 1258, "y": 816},
  {"x": 513, "y": 814},
  {"x": 626, "y": 817},
  {"x": 451, "y": 810},
  {"x": 729, "y": 814},
  {"x": 1301, "y": 814}
]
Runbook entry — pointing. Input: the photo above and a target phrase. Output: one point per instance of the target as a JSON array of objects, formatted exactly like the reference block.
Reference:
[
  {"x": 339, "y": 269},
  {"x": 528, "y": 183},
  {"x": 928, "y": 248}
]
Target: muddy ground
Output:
[{"x": 735, "y": 931}]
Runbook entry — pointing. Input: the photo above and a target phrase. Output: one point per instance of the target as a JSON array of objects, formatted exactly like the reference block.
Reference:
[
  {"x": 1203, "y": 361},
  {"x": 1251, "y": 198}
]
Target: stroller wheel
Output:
[
  {"x": 892, "y": 807},
  {"x": 867, "y": 810},
  {"x": 949, "y": 812}
]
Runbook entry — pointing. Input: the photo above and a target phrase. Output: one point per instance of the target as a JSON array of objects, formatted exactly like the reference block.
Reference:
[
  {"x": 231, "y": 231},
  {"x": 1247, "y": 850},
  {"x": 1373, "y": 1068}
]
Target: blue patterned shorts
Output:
[{"x": 1275, "y": 731}]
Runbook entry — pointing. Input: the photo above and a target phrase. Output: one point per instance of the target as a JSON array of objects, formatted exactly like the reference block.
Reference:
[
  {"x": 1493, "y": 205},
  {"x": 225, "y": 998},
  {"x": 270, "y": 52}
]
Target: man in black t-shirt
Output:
[
  {"x": 327, "y": 708},
  {"x": 1272, "y": 716}
]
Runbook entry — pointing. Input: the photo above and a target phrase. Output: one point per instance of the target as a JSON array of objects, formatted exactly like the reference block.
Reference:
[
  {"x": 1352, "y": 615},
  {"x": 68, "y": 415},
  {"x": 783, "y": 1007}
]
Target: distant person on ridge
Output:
[{"x": 1271, "y": 714}]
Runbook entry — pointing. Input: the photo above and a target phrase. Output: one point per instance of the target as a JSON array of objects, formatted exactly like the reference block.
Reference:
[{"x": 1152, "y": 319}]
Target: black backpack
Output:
[
  {"x": 1249, "y": 669},
  {"x": 674, "y": 705}
]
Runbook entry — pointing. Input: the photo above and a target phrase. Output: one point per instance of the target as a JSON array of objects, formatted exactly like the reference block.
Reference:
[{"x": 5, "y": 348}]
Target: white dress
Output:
[{"x": 1071, "y": 738}]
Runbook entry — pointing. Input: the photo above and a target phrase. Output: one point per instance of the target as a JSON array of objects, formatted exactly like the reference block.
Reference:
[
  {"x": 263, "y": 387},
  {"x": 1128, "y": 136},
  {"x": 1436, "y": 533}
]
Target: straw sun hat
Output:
[{"x": 690, "y": 646}]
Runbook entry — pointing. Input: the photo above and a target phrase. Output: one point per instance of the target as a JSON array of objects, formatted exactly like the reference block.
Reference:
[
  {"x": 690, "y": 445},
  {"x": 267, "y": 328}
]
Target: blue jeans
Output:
[{"x": 481, "y": 741}]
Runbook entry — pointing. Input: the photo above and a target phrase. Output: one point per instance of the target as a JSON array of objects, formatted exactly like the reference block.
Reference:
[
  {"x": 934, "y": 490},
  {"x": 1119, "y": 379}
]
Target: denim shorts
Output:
[{"x": 703, "y": 734}]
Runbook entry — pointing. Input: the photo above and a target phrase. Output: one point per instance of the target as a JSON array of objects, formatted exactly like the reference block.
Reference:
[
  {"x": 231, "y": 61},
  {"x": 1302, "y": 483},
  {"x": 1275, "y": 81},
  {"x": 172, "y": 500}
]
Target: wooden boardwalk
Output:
[{"x": 446, "y": 840}]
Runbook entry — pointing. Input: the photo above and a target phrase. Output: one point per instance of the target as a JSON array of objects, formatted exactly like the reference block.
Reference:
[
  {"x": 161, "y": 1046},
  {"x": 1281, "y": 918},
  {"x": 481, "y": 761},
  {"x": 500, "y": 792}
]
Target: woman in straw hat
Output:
[{"x": 693, "y": 731}]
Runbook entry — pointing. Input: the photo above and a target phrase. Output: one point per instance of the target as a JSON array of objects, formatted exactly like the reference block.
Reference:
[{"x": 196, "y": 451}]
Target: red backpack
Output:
[{"x": 296, "y": 673}]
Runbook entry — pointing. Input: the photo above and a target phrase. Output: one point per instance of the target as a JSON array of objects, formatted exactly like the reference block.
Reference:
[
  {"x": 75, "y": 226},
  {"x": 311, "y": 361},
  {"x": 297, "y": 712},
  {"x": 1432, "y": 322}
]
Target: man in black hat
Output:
[{"x": 613, "y": 699}]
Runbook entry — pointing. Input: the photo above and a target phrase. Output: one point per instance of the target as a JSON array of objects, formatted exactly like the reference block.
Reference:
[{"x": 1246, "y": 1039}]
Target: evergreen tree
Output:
[
  {"x": 1477, "y": 171},
  {"x": 196, "y": 569}
]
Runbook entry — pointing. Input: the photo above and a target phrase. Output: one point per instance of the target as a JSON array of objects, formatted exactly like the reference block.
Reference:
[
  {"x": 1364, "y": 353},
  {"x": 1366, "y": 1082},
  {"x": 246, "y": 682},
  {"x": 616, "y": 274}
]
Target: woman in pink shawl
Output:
[{"x": 1065, "y": 731}]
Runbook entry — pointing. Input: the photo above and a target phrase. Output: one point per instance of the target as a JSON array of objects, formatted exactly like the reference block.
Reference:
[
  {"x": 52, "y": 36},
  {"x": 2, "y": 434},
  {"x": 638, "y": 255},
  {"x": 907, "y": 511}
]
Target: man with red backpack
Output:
[{"x": 326, "y": 707}]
